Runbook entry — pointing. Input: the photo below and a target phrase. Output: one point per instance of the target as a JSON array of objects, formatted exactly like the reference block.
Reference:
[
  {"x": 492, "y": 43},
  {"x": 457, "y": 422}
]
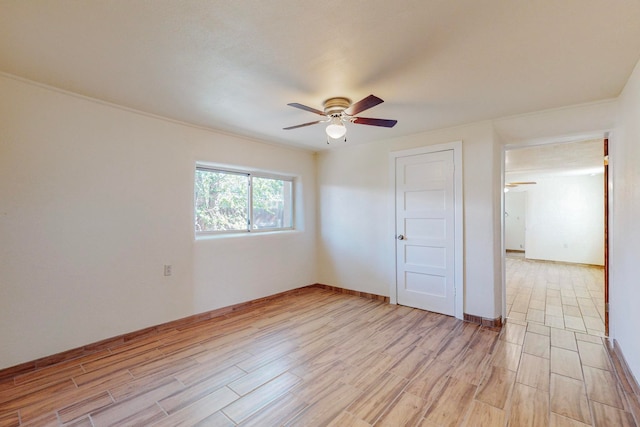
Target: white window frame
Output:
[{"x": 250, "y": 174}]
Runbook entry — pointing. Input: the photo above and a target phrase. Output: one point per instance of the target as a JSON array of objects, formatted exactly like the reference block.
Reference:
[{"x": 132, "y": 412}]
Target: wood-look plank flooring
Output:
[
  {"x": 319, "y": 358},
  {"x": 559, "y": 295}
]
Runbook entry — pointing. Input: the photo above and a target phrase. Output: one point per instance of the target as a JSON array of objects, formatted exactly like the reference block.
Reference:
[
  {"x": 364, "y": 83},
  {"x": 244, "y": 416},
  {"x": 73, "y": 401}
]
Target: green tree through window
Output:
[{"x": 227, "y": 201}]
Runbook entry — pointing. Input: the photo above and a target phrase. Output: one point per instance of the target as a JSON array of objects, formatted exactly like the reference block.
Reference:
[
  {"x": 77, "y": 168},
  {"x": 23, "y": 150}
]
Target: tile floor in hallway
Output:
[{"x": 563, "y": 296}]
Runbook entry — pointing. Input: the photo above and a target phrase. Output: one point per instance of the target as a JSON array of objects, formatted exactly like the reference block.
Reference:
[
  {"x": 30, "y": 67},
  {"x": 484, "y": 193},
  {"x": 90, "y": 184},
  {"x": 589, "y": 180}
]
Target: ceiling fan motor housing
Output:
[{"x": 335, "y": 106}]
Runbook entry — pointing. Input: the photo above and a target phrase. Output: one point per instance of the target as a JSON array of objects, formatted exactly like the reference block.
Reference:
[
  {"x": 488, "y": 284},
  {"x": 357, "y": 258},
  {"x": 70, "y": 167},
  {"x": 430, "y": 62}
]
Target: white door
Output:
[
  {"x": 425, "y": 243},
  {"x": 515, "y": 220}
]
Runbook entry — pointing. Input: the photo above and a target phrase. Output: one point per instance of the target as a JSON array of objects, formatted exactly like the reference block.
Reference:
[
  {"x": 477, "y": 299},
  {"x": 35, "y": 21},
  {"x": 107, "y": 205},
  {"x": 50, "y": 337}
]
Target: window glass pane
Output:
[
  {"x": 271, "y": 203},
  {"x": 221, "y": 201}
]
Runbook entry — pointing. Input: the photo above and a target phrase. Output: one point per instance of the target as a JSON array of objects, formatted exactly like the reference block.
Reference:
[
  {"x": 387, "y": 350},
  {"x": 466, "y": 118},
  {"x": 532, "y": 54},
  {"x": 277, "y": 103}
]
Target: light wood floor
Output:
[
  {"x": 319, "y": 358},
  {"x": 564, "y": 296}
]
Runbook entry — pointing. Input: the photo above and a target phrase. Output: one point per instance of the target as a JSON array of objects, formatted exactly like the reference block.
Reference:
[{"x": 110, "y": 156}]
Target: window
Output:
[{"x": 232, "y": 201}]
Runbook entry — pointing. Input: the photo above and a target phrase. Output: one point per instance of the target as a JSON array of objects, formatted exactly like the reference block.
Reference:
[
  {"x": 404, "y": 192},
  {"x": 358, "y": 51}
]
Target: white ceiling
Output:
[
  {"x": 563, "y": 159},
  {"x": 234, "y": 65}
]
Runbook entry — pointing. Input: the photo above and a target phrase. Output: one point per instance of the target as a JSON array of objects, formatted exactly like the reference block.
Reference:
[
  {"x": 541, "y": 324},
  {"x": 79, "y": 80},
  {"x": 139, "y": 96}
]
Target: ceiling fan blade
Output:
[
  {"x": 305, "y": 108},
  {"x": 385, "y": 123},
  {"x": 522, "y": 183},
  {"x": 302, "y": 125},
  {"x": 364, "y": 104}
]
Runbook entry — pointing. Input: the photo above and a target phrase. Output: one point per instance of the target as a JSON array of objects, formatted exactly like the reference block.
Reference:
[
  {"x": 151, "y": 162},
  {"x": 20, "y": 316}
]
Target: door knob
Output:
[{"x": 400, "y": 237}]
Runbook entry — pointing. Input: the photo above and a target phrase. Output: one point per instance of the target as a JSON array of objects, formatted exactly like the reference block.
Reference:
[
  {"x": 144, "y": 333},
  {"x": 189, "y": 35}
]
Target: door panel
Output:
[
  {"x": 425, "y": 256},
  {"x": 425, "y": 214},
  {"x": 426, "y": 283},
  {"x": 424, "y": 227}
]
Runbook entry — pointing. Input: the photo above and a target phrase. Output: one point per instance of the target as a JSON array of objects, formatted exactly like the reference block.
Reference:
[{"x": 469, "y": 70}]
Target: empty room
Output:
[{"x": 292, "y": 213}]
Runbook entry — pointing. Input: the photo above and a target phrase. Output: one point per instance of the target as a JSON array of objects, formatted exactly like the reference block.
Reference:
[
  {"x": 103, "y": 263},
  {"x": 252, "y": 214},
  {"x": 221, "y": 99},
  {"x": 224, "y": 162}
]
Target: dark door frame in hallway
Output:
[{"x": 606, "y": 233}]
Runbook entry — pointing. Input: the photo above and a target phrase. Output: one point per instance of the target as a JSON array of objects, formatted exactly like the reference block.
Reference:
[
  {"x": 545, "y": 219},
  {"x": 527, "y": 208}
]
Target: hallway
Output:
[{"x": 564, "y": 296}]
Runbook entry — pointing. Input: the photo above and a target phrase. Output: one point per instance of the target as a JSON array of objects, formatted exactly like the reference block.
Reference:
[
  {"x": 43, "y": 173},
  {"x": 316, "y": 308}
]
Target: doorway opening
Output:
[{"x": 554, "y": 235}]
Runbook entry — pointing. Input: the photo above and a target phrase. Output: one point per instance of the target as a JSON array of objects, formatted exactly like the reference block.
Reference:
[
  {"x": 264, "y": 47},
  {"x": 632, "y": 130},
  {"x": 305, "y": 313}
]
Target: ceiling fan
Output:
[
  {"x": 517, "y": 184},
  {"x": 339, "y": 110}
]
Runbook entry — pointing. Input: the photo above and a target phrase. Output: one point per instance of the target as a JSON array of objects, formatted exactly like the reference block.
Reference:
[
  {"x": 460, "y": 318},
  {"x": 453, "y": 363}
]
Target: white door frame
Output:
[
  {"x": 458, "y": 280},
  {"x": 600, "y": 134}
]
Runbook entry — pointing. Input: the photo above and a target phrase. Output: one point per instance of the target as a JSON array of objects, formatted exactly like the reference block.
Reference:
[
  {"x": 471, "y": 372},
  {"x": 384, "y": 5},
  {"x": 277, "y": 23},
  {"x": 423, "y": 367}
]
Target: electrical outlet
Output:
[{"x": 167, "y": 270}]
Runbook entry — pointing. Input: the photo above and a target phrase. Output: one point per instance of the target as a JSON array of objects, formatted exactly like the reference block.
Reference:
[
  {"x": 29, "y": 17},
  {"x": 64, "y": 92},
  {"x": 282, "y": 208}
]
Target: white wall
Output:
[
  {"x": 565, "y": 219},
  {"x": 570, "y": 123},
  {"x": 95, "y": 199},
  {"x": 514, "y": 220},
  {"x": 624, "y": 286},
  {"x": 356, "y": 235},
  {"x": 233, "y": 269},
  {"x": 353, "y": 201}
]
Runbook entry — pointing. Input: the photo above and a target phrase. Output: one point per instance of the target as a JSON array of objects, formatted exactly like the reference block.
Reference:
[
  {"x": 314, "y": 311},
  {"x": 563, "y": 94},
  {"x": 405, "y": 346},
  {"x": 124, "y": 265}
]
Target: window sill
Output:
[{"x": 241, "y": 234}]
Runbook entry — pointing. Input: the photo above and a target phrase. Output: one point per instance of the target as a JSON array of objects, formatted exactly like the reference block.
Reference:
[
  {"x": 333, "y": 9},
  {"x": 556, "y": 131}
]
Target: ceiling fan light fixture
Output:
[
  {"x": 336, "y": 129},
  {"x": 338, "y": 111}
]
